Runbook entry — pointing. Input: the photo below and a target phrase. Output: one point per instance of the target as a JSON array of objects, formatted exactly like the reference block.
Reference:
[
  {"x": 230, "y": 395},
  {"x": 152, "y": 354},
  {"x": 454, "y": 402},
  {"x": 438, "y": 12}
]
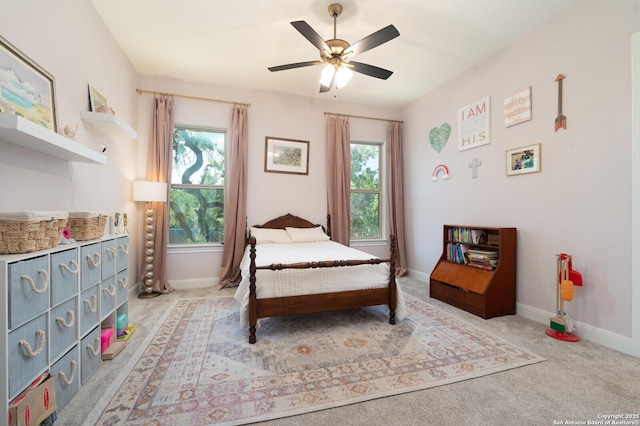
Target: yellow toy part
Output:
[{"x": 566, "y": 290}]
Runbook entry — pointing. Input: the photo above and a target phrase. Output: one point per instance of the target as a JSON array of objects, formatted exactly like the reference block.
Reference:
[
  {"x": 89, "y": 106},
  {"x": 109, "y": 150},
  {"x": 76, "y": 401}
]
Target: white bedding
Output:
[{"x": 294, "y": 282}]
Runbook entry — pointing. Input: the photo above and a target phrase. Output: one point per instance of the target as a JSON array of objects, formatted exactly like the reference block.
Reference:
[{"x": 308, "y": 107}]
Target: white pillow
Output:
[
  {"x": 269, "y": 235},
  {"x": 307, "y": 235}
]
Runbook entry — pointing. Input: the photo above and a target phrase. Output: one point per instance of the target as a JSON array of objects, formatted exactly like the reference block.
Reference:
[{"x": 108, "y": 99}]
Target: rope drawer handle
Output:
[
  {"x": 63, "y": 376},
  {"x": 76, "y": 267},
  {"x": 111, "y": 291},
  {"x": 95, "y": 260},
  {"x": 72, "y": 319},
  {"x": 124, "y": 248},
  {"x": 93, "y": 308},
  {"x": 113, "y": 251},
  {"x": 92, "y": 350},
  {"x": 35, "y": 289},
  {"x": 124, "y": 282},
  {"x": 27, "y": 347}
]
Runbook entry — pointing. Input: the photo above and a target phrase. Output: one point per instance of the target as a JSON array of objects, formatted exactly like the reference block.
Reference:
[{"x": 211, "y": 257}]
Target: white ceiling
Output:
[{"x": 233, "y": 42}]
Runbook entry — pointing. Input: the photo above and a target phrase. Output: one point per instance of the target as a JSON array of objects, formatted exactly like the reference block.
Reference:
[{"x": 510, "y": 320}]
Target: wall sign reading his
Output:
[{"x": 473, "y": 124}]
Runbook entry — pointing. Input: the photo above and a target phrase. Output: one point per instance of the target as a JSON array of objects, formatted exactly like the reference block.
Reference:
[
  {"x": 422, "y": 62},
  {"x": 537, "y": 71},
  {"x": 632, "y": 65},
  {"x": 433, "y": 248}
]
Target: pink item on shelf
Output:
[{"x": 106, "y": 337}]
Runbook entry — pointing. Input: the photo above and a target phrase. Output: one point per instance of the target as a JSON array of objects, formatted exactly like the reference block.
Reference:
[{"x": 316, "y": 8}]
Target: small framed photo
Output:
[
  {"x": 26, "y": 89},
  {"x": 525, "y": 159},
  {"x": 97, "y": 101},
  {"x": 286, "y": 156}
]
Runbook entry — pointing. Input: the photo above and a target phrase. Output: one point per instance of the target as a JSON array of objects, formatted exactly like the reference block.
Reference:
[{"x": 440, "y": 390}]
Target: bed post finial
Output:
[{"x": 329, "y": 225}]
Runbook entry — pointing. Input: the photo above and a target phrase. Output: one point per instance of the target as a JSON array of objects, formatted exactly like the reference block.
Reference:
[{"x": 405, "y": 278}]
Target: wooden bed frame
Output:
[{"x": 323, "y": 302}]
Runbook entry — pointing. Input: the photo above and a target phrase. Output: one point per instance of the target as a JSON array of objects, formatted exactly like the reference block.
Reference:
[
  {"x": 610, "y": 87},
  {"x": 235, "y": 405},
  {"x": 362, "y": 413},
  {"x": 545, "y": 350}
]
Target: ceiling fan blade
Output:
[
  {"x": 373, "y": 40},
  {"x": 295, "y": 65},
  {"x": 311, "y": 35},
  {"x": 370, "y": 70}
]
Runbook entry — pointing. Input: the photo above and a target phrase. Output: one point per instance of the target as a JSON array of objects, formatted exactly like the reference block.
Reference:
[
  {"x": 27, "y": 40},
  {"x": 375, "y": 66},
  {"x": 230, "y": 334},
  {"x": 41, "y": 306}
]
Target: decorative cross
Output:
[{"x": 474, "y": 165}]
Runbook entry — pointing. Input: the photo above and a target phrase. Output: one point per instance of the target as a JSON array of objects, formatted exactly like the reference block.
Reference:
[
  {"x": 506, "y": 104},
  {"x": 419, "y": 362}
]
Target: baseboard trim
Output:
[
  {"x": 584, "y": 331},
  {"x": 194, "y": 283},
  {"x": 179, "y": 285}
]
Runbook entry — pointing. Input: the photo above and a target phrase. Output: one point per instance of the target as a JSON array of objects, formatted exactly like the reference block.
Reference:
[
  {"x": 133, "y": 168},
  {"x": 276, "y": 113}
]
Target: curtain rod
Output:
[
  {"x": 362, "y": 116},
  {"x": 141, "y": 91}
]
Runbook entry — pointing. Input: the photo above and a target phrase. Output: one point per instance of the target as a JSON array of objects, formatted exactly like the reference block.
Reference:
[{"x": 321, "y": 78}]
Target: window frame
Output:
[
  {"x": 206, "y": 246},
  {"x": 381, "y": 191}
]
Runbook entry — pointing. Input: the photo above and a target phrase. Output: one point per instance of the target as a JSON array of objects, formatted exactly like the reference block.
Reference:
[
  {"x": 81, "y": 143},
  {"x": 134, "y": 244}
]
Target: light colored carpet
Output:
[
  {"x": 199, "y": 369},
  {"x": 578, "y": 382}
]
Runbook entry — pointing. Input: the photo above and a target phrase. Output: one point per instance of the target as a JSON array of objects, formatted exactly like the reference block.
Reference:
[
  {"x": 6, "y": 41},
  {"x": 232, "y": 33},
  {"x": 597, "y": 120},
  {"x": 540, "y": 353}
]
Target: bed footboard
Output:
[{"x": 324, "y": 302}]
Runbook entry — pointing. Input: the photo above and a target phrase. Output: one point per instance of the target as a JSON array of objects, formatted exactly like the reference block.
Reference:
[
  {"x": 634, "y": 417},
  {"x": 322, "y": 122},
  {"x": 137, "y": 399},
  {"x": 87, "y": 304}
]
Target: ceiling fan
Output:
[{"x": 337, "y": 53}]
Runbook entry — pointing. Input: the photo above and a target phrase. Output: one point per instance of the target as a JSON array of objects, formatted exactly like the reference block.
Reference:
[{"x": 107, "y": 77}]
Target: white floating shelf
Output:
[
  {"x": 109, "y": 124},
  {"x": 21, "y": 131}
]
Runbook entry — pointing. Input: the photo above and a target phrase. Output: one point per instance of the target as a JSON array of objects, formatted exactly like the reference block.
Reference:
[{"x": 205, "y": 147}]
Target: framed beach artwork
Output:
[
  {"x": 522, "y": 160},
  {"x": 26, "y": 89},
  {"x": 286, "y": 156},
  {"x": 474, "y": 124}
]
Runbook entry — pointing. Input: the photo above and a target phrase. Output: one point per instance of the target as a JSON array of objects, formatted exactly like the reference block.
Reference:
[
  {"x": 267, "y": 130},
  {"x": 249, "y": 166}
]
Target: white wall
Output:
[
  {"x": 269, "y": 194},
  {"x": 69, "y": 40},
  {"x": 580, "y": 202}
]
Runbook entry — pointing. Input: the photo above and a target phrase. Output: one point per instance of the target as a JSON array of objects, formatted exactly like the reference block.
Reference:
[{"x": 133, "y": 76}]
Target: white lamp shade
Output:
[{"x": 149, "y": 191}]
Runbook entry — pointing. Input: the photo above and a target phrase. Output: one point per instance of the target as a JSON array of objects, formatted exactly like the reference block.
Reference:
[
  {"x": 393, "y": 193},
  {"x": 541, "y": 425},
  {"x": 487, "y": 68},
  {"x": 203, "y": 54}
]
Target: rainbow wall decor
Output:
[{"x": 440, "y": 172}]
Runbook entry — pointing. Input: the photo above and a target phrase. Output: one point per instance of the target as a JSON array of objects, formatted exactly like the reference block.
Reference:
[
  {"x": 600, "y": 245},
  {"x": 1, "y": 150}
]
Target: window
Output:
[
  {"x": 196, "y": 208},
  {"x": 366, "y": 194}
]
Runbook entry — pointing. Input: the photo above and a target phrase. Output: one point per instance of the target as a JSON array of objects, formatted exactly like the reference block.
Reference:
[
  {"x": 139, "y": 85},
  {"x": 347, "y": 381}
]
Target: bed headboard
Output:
[{"x": 288, "y": 220}]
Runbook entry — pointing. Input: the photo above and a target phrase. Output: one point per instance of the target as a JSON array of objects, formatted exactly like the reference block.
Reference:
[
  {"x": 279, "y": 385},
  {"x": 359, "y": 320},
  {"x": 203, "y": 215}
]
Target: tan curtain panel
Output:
[
  {"x": 396, "y": 195},
  {"x": 236, "y": 209},
  {"x": 159, "y": 162},
  {"x": 339, "y": 177}
]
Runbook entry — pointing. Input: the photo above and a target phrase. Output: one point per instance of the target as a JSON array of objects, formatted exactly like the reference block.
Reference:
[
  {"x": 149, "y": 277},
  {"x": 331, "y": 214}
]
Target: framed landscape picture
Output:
[
  {"x": 525, "y": 159},
  {"x": 286, "y": 156},
  {"x": 26, "y": 89}
]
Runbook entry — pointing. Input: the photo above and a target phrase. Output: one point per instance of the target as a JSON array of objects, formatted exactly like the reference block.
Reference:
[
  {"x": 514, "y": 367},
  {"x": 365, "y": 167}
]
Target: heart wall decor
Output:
[{"x": 438, "y": 137}]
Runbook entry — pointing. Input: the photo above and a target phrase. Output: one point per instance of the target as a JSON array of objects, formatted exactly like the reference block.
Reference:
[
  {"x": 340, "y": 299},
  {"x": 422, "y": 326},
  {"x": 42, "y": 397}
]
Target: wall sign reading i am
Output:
[{"x": 473, "y": 124}]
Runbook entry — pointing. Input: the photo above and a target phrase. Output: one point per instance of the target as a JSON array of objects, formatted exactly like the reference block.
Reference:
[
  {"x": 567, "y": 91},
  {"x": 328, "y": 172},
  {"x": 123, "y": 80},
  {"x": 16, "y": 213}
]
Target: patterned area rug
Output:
[{"x": 199, "y": 369}]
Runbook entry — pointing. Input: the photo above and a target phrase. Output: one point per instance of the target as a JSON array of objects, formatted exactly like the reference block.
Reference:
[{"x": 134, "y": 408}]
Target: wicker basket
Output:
[
  {"x": 86, "y": 226},
  {"x": 30, "y": 231}
]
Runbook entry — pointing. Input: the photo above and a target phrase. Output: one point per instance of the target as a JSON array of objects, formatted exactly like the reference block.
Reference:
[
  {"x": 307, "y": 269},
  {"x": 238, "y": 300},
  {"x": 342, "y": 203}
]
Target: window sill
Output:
[
  {"x": 368, "y": 243},
  {"x": 194, "y": 248}
]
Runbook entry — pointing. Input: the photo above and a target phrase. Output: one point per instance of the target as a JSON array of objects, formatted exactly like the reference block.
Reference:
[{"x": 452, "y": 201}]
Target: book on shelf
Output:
[
  {"x": 482, "y": 254},
  {"x": 483, "y": 259},
  {"x": 457, "y": 252},
  {"x": 467, "y": 235},
  {"x": 478, "y": 236},
  {"x": 479, "y": 266}
]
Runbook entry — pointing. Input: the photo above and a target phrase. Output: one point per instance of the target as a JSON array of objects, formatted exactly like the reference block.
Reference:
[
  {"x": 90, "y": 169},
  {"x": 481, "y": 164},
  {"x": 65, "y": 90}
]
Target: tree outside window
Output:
[
  {"x": 365, "y": 191},
  {"x": 196, "y": 207}
]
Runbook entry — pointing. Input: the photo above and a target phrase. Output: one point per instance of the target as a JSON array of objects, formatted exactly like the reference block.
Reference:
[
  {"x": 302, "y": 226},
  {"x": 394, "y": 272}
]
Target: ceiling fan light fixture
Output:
[
  {"x": 336, "y": 53},
  {"x": 343, "y": 76},
  {"x": 327, "y": 75}
]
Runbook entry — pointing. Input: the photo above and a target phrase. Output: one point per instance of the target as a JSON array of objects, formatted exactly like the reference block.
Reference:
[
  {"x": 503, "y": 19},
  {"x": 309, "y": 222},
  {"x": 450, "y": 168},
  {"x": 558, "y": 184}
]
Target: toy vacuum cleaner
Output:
[{"x": 561, "y": 325}]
